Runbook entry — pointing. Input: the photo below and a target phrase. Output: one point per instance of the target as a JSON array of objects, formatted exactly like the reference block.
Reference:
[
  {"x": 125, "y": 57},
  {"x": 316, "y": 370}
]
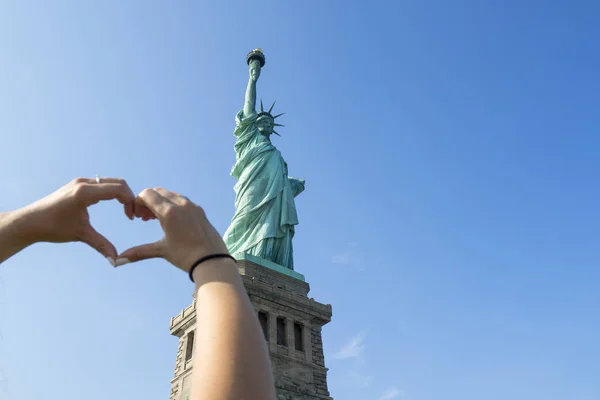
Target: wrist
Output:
[
  {"x": 19, "y": 226},
  {"x": 217, "y": 269}
]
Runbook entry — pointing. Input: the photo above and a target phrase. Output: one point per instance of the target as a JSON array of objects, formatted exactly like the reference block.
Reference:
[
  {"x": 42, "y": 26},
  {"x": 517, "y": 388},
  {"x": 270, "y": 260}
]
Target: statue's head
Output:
[
  {"x": 255, "y": 69},
  {"x": 265, "y": 125},
  {"x": 265, "y": 121}
]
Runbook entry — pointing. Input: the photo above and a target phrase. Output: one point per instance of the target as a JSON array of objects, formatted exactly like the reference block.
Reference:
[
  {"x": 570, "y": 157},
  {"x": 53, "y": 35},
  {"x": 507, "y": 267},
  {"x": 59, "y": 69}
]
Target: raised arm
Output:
[
  {"x": 12, "y": 238},
  {"x": 231, "y": 358},
  {"x": 250, "y": 103}
]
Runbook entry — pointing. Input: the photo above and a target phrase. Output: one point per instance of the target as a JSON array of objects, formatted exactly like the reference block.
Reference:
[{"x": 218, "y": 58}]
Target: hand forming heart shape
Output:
[{"x": 63, "y": 217}]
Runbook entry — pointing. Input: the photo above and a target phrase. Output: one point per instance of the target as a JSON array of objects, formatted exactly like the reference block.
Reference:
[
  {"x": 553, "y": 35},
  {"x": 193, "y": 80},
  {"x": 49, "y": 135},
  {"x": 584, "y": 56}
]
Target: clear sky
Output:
[{"x": 451, "y": 212}]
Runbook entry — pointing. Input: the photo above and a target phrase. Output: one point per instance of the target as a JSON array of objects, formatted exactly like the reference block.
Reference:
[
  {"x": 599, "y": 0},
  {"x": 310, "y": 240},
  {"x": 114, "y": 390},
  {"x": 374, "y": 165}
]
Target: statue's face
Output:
[{"x": 265, "y": 126}]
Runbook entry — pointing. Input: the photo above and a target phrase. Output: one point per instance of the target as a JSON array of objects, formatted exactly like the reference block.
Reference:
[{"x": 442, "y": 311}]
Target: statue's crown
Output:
[{"x": 267, "y": 114}]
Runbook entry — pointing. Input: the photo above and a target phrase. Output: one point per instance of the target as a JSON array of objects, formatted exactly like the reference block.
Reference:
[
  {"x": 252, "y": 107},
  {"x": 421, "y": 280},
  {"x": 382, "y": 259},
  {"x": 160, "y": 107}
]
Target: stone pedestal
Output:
[{"x": 292, "y": 324}]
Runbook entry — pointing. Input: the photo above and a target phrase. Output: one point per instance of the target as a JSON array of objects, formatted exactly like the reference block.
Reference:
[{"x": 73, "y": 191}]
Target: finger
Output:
[
  {"x": 173, "y": 196},
  {"x": 142, "y": 252},
  {"x": 148, "y": 217},
  {"x": 147, "y": 214},
  {"x": 141, "y": 211},
  {"x": 153, "y": 200},
  {"x": 129, "y": 192},
  {"x": 126, "y": 197},
  {"x": 102, "y": 180},
  {"x": 138, "y": 209},
  {"x": 93, "y": 193},
  {"x": 129, "y": 209},
  {"x": 98, "y": 242}
]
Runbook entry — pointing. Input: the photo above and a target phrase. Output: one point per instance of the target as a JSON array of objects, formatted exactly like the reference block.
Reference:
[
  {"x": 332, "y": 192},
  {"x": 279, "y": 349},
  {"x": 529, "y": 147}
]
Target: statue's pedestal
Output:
[
  {"x": 268, "y": 264},
  {"x": 292, "y": 324}
]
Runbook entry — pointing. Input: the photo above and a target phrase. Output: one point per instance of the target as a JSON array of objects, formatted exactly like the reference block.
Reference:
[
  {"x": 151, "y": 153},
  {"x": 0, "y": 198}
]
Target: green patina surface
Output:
[
  {"x": 270, "y": 265},
  {"x": 265, "y": 211}
]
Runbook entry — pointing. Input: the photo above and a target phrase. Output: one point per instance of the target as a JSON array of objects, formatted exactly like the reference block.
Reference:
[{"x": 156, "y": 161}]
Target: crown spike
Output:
[
  {"x": 278, "y": 115},
  {"x": 261, "y": 106},
  {"x": 271, "y": 109},
  {"x": 278, "y": 125},
  {"x": 277, "y": 133}
]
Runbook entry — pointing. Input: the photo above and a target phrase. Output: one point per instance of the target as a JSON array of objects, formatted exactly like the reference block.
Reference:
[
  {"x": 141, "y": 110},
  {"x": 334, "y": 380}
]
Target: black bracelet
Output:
[{"x": 206, "y": 258}]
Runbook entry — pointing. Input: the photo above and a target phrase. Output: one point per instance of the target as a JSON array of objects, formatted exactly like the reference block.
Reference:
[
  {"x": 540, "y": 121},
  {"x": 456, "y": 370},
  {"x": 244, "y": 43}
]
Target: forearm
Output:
[
  {"x": 13, "y": 233},
  {"x": 250, "y": 102},
  {"x": 231, "y": 359}
]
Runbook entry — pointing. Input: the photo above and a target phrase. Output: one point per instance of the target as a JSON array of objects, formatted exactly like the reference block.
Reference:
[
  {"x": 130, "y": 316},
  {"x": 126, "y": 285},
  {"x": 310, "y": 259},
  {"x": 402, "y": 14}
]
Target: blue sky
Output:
[{"x": 451, "y": 212}]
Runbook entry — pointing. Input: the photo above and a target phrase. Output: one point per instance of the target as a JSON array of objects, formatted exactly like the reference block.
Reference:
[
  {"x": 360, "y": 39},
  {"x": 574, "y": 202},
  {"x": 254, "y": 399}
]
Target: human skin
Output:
[{"x": 231, "y": 357}]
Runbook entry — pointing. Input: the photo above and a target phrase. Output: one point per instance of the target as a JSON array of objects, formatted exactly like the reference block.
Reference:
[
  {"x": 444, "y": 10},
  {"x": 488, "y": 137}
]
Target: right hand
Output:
[
  {"x": 254, "y": 70},
  {"x": 189, "y": 235}
]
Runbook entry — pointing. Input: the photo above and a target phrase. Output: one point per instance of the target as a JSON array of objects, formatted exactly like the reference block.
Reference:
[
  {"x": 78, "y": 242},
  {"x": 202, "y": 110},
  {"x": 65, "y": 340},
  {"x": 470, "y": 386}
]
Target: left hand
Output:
[
  {"x": 63, "y": 215},
  {"x": 297, "y": 185}
]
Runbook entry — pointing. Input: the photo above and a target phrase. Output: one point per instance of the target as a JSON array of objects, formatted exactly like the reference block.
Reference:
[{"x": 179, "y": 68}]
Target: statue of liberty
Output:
[{"x": 265, "y": 211}]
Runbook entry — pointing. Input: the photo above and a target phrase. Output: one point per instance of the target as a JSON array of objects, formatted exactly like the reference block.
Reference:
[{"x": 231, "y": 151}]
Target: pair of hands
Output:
[{"x": 63, "y": 217}]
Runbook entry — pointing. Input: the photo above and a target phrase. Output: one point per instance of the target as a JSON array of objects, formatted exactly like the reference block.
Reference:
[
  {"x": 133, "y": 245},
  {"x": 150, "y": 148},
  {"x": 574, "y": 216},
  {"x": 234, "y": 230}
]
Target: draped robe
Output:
[{"x": 265, "y": 211}]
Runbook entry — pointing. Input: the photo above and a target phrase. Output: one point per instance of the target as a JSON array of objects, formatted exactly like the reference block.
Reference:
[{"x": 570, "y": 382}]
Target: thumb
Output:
[
  {"x": 98, "y": 242},
  {"x": 141, "y": 252}
]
